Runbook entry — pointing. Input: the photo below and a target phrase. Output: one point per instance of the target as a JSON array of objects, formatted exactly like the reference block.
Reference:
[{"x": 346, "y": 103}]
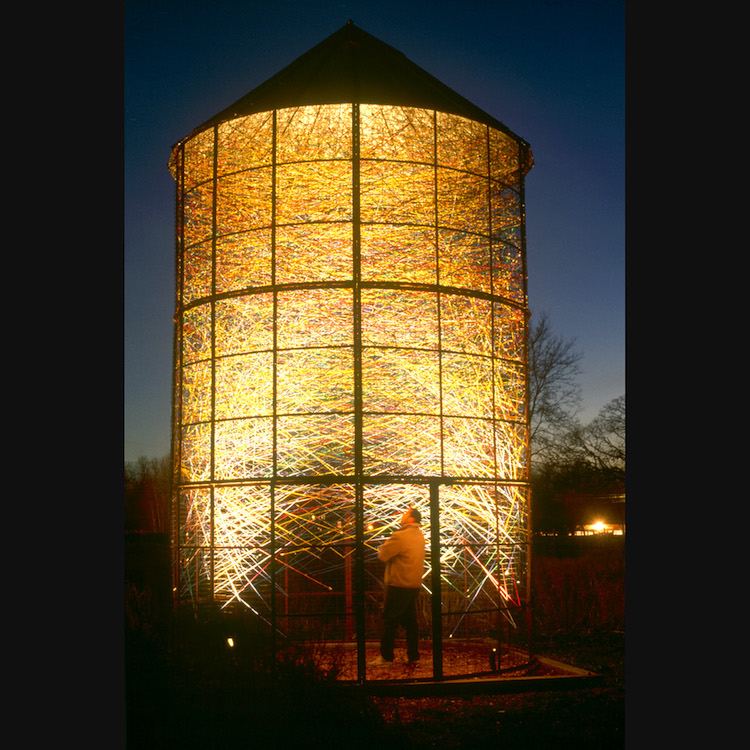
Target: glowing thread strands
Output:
[{"x": 331, "y": 307}]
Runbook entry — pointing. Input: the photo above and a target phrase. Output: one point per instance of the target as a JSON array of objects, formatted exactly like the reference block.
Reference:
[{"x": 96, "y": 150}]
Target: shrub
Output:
[
  {"x": 198, "y": 691},
  {"x": 574, "y": 594}
]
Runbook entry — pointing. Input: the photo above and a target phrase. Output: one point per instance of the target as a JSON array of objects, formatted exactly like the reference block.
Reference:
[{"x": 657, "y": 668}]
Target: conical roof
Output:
[{"x": 353, "y": 66}]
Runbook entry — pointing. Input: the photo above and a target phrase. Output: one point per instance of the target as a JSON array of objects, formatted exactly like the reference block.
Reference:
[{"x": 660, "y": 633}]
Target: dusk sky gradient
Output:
[{"x": 553, "y": 71}]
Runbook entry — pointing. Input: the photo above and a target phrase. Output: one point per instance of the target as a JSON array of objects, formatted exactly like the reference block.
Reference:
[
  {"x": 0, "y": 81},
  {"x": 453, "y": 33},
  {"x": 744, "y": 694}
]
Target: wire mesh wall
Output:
[{"x": 350, "y": 339}]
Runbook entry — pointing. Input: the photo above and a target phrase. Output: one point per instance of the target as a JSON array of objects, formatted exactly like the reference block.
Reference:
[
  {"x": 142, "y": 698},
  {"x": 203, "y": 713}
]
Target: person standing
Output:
[{"x": 403, "y": 555}]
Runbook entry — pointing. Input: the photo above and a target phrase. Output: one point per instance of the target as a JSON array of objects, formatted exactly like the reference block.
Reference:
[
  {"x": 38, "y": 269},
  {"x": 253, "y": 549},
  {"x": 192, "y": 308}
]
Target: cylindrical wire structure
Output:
[{"x": 350, "y": 339}]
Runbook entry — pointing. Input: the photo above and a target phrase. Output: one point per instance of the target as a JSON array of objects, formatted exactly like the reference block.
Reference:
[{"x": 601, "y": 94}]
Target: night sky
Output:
[{"x": 553, "y": 71}]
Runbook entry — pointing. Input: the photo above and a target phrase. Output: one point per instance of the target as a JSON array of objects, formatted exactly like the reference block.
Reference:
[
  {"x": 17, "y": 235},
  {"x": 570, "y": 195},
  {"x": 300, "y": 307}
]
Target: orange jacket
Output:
[{"x": 403, "y": 555}]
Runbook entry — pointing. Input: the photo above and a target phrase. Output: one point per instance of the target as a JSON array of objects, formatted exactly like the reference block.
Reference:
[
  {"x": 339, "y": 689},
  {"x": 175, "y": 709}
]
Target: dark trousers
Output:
[{"x": 400, "y": 609}]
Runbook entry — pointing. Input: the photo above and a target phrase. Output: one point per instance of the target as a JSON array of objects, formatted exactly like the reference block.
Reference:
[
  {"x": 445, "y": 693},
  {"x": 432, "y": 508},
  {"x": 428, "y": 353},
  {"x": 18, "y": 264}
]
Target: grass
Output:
[
  {"x": 579, "y": 594},
  {"x": 579, "y": 619},
  {"x": 197, "y": 692},
  {"x": 188, "y": 689}
]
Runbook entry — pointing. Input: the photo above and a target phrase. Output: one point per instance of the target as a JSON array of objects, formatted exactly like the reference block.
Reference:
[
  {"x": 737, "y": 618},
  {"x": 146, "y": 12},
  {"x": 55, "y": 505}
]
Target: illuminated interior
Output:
[{"x": 350, "y": 326}]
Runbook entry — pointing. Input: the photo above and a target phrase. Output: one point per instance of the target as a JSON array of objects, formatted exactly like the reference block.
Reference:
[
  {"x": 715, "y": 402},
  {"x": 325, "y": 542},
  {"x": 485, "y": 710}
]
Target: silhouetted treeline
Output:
[
  {"x": 147, "y": 485},
  {"x": 565, "y": 498}
]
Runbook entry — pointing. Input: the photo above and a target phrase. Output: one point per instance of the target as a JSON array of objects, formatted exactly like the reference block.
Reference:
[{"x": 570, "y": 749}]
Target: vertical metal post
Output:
[
  {"x": 174, "y": 515},
  {"x": 214, "y": 231},
  {"x": 437, "y": 617},
  {"x": 348, "y": 591},
  {"x": 359, "y": 576},
  {"x": 273, "y": 572},
  {"x": 529, "y": 593},
  {"x": 522, "y": 156},
  {"x": 359, "y": 530}
]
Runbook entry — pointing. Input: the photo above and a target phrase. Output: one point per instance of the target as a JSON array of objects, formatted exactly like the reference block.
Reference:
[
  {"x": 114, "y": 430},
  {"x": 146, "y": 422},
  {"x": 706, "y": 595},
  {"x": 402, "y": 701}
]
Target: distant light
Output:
[
  {"x": 230, "y": 641},
  {"x": 598, "y": 526}
]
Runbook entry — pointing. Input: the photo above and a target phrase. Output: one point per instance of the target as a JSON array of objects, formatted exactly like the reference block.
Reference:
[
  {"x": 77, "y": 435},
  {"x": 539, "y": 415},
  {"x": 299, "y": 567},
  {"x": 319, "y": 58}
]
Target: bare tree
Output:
[
  {"x": 147, "y": 490},
  {"x": 554, "y": 391},
  {"x": 601, "y": 443}
]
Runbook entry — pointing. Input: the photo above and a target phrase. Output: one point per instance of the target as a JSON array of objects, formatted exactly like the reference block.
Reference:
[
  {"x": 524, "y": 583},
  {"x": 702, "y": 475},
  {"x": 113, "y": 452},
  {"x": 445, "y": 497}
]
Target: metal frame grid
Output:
[{"x": 350, "y": 338}]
